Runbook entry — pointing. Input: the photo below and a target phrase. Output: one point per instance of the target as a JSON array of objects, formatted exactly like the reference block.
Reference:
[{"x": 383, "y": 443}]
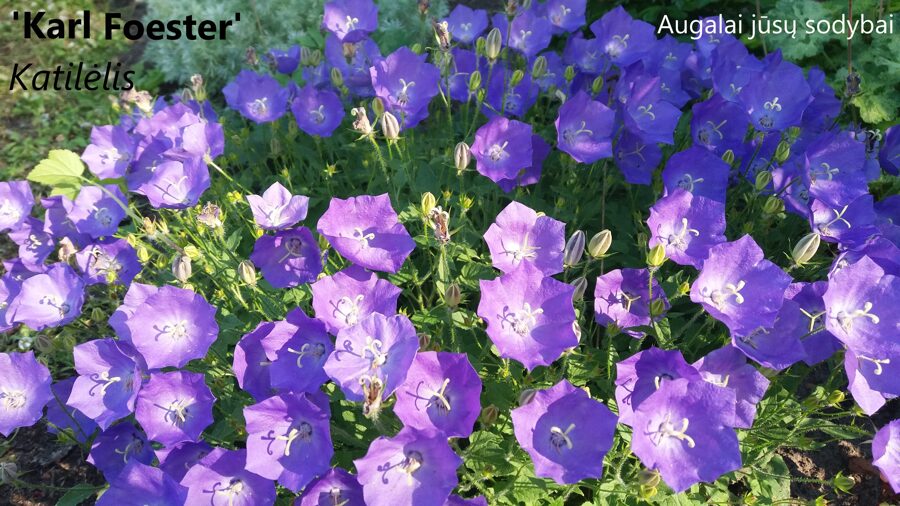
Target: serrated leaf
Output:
[{"x": 61, "y": 168}]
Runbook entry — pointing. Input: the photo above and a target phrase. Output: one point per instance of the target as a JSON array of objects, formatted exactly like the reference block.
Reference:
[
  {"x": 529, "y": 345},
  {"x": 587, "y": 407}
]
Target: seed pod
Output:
[
  {"x": 526, "y": 396},
  {"x": 539, "y": 68},
  {"x": 516, "y": 78},
  {"x": 597, "y": 84},
  {"x": 416, "y": 48},
  {"x": 181, "y": 267},
  {"x": 452, "y": 296},
  {"x": 377, "y": 107},
  {"x": 574, "y": 249},
  {"x": 648, "y": 478},
  {"x": 361, "y": 123},
  {"x": 462, "y": 155},
  {"x": 441, "y": 34},
  {"x": 773, "y": 205},
  {"x": 763, "y": 178},
  {"x": 782, "y": 152},
  {"x": 390, "y": 126},
  {"x": 580, "y": 285},
  {"x": 569, "y": 73},
  {"x": 337, "y": 79},
  {"x": 656, "y": 256},
  {"x": 428, "y": 203},
  {"x": 728, "y": 157},
  {"x": 805, "y": 249},
  {"x": 600, "y": 243},
  {"x": 493, "y": 43}
]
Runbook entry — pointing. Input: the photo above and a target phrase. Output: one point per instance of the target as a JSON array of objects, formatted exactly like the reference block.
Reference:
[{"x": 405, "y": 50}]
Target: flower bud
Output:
[
  {"x": 569, "y": 73},
  {"x": 461, "y": 157},
  {"x": 424, "y": 341},
  {"x": 574, "y": 249},
  {"x": 597, "y": 84},
  {"x": 149, "y": 226},
  {"x": 600, "y": 243},
  {"x": 657, "y": 307},
  {"x": 43, "y": 343},
  {"x": 474, "y": 81},
  {"x": 428, "y": 203},
  {"x": 763, "y": 178},
  {"x": 480, "y": 44},
  {"x": 66, "y": 249},
  {"x": 728, "y": 157},
  {"x": 782, "y": 152},
  {"x": 526, "y": 396},
  {"x": 9, "y": 472},
  {"x": 377, "y": 107},
  {"x": 390, "y": 126},
  {"x": 539, "y": 67},
  {"x": 648, "y": 478},
  {"x": 836, "y": 397},
  {"x": 181, "y": 267},
  {"x": 143, "y": 255},
  {"x": 580, "y": 285},
  {"x": 684, "y": 288},
  {"x": 806, "y": 248},
  {"x": 247, "y": 272},
  {"x": 98, "y": 315},
  {"x": 773, "y": 205},
  {"x": 416, "y": 48},
  {"x": 516, "y": 78},
  {"x": 191, "y": 251},
  {"x": 489, "y": 415},
  {"x": 656, "y": 256},
  {"x": 493, "y": 43},
  {"x": 452, "y": 296},
  {"x": 337, "y": 79}
]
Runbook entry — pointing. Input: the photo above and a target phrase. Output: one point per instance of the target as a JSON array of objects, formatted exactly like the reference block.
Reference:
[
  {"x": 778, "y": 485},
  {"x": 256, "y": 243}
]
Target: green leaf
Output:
[
  {"x": 876, "y": 107},
  {"x": 61, "y": 169},
  {"x": 77, "y": 495}
]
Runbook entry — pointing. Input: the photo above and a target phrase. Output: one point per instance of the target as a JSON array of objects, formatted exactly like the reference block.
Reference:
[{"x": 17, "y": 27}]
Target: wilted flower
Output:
[
  {"x": 49, "y": 299},
  {"x": 118, "y": 446},
  {"x": 530, "y": 317},
  {"x": 288, "y": 438},
  {"x": 441, "y": 394},
  {"x": 367, "y": 231},
  {"x": 150, "y": 484},
  {"x": 623, "y": 297},
  {"x": 361, "y": 123},
  {"x": 410, "y": 468},
  {"x": 174, "y": 406},
  {"x": 109, "y": 378},
  {"x": 317, "y": 112},
  {"x": 277, "y": 208},
  {"x": 24, "y": 390},
  {"x": 349, "y": 296},
  {"x": 334, "y": 487},
  {"x": 466, "y": 24},
  {"x": 210, "y": 216},
  {"x": 687, "y": 225},
  {"x": 257, "y": 97},
  {"x": 64, "y": 418},
  {"x": 584, "y": 128},
  {"x": 519, "y": 236},
  {"x": 288, "y": 258},
  {"x": 221, "y": 474},
  {"x": 350, "y": 20},
  {"x": 172, "y": 327},
  {"x": 728, "y": 368}
]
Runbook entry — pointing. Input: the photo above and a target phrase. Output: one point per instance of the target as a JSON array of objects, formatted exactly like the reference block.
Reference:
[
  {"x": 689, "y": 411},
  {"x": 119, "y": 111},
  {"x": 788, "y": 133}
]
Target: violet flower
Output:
[
  {"x": 35, "y": 244},
  {"x": 178, "y": 459},
  {"x": 150, "y": 484},
  {"x": 110, "y": 152},
  {"x": 776, "y": 98},
  {"x": 406, "y": 84},
  {"x": 584, "y": 129},
  {"x": 350, "y": 20},
  {"x": 334, "y": 487},
  {"x": 636, "y": 158},
  {"x": 466, "y": 24},
  {"x": 108, "y": 261},
  {"x": 298, "y": 365},
  {"x": 16, "y": 201},
  {"x": 886, "y": 453},
  {"x": 50, "y": 299},
  {"x": 622, "y": 296},
  {"x": 289, "y": 258},
  {"x": 641, "y": 374},
  {"x": 818, "y": 344},
  {"x": 251, "y": 364},
  {"x": 285, "y": 60},
  {"x": 257, "y": 97},
  {"x": 221, "y": 478},
  {"x": 728, "y": 368},
  {"x": 348, "y": 296},
  {"x": 502, "y": 149},
  {"x": 109, "y": 378},
  {"x": 624, "y": 40},
  {"x": 24, "y": 391},
  {"x": 566, "y": 15},
  {"x": 66, "y": 419},
  {"x": 135, "y": 296},
  {"x": 698, "y": 171},
  {"x": 520, "y": 236},
  {"x": 530, "y": 34},
  {"x": 687, "y": 225},
  {"x": 174, "y": 406},
  {"x": 175, "y": 184},
  {"x": 317, "y": 112},
  {"x": 116, "y": 447},
  {"x": 277, "y": 208}
]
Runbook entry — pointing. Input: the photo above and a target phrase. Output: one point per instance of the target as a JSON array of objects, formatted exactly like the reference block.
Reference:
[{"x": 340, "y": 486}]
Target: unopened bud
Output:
[
  {"x": 516, "y": 78},
  {"x": 143, "y": 254},
  {"x": 247, "y": 272},
  {"x": 452, "y": 296},
  {"x": 480, "y": 44},
  {"x": 728, "y": 157},
  {"x": 569, "y": 74},
  {"x": 197, "y": 86},
  {"x": 805, "y": 249},
  {"x": 648, "y": 478},
  {"x": 763, "y": 178},
  {"x": 574, "y": 249},
  {"x": 149, "y": 226},
  {"x": 66, "y": 249},
  {"x": 43, "y": 343},
  {"x": 489, "y": 415},
  {"x": 782, "y": 152},
  {"x": 493, "y": 43},
  {"x": 428, "y": 203},
  {"x": 424, "y": 341},
  {"x": 390, "y": 126},
  {"x": 539, "y": 67},
  {"x": 337, "y": 79},
  {"x": 250, "y": 57},
  {"x": 684, "y": 288},
  {"x": 580, "y": 285},
  {"x": 9, "y": 472},
  {"x": 526, "y": 396},
  {"x": 597, "y": 84},
  {"x": 181, "y": 267},
  {"x": 600, "y": 243},
  {"x": 657, "y": 307},
  {"x": 773, "y": 205},
  {"x": 462, "y": 155},
  {"x": 191, "y": 251},
  {"x": 416, "y": 48},
  {"x": 836, "y": 397},
  {"x": 474, "y": 81},
  {"x": 656, "y": 256},
  {"x": 377, "y": 107}
]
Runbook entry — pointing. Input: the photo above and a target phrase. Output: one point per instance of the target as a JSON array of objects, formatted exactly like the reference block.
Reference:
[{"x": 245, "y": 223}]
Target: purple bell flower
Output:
[
  {"x": 289, "y": 258},
  {"x": 35, "y": 245},
  {"x": 530, "y": 34},
  {"x": 334, "y": 487},
  {"x": 647, "y": 115},
  {"x": 502, "y": 149},
  {"x": 135, "y": 296},
  {"x": 566, "y": 15},
  {"x": 298, "y": 365},
  {"x": 684, "y": 430},
  {"x": 178, "y": 459},
  {"x": 554, "y": 77},
  {"x": 110, "y": 152},
  {"x": 718, "y": 125},
  {"x": 116, "y": 447},
  {"x": 728, "y": 368},
  {"x": 641, "y": 374},
  {"x": 868, "y": 399},
  {"x": 175, "y": 184},
  {"x": 623, "y": 297},
  {"x": 455, "y": 500},
  {"x": 96, "y": 212},
  {"x": 584, "y": 129},
  {"x": 285, "y": 60},
  {"x": 24, "y": 391},
  {"x": 698, "y": 171},
  {"x": 520, "y": 236},
  {"x": 354, "y": 61},
  {"x": 622, "y": 38},
  {"x": 504, "y": 99},
  {"x": 441, "y": 394},
  {"x": 850, "y": 224},
  {"x": 779, "y": 346},
  {"x": 530, "y": 317},
  {"x": 318, "y": 112},
  {"x": 257, "y": 97},
  {"x": 350, "y": 20},
  {"x": 586, "y": 55},
  {"x": 348, "y": 296},
  {"x": 16, "y": 201},
  {"x": 109, "y": 378},
  {"x": 406, "y": 84},
  {"x": 57, "y": 222},
  {"x": 834, "y": 169},
  {"x": 373, "y": 356},
  {"x": 172, "y": 327},
  {"x": 367, "y": 231},
  {"x": 636, "y": 158},
  {"x": 886, "y": 453},
  {"x": 221, "y": 478},
  {"x": 566, "y": 433},
  {"x": 251, "y": 364},
  {"x": 277, "y": 208},
  {"x": 108, "y": 261},
  {"x": 466, "y": 24},
  {"x": 819, "y": 344},
  {"x": 687, "y": 225},
  {"x": 409, "y": 468},
  {"x": 889, "y": 154},
  {"x": 66, "y": 419},
  {"x": 289, "y": 439},
  {"x": 174, "y": 406},
  {"x": 739, "y": 287},
  {"x": 9, "y": 289},
  {"x": 150, "y": 484},
  {"x": 776, "y": 98},
  {"x": 50, "y": 299}
]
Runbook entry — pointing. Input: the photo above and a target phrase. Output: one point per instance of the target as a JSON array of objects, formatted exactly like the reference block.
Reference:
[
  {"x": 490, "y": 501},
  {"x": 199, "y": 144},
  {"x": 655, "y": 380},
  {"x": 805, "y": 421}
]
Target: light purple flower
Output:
[
  {"x": 566, "y": 433},
  {"x": 348, "y": 296},
  {"x": 502, "y": 149},
  {"x": 819, "y": 344},
  {"x": 868, "y": 399},
  {"x": 135, "y": 296},
  {"x": 728, "y": 368},
  {"x": 288, "y": 258},
  {"x": 110, "y": 152},
  {"x": 441, "y": 394},
  {"x": 367, "y": 231},
  {"x": 373, "y": 356},
  {"x": 251, "y": 364},
  {"x": 687, "y": 225},
  {"x": 50, "y": 299},
  {"x": 624, "y": 40},
  {"x": 530, "y": 34},
  {"x": 277, "y": 208},
  {"x": 779, "y": 346},
  {"x": 175, "y": 184},
  {"x": 16, "y": 201},
  {"x": 108, "y": 261},
  {"x": 35, "y": 244},
  {"x": 409, "y": 468},
  {"x": 65, "y": 419},
  {"x": 285, "y": 60},
  {"x": 350, "y": 20},
  {"x": 684, "y": 430},
  {"x": 172, "y": 327},
  {"x": 466, "y": 24},
  {"x": 699, "y": 171},
  {"x": 298, "y": 365},
  {"x": 177, "y": 459},
  {"x": 455, "y": 500},
  {"x": 24, "y": 391},
  {"x": 520, "y": 236},
  {"x": 776, "y": 97},
  {"x": 174, "y": 406},
  {"x": 641, "y": 374},
  {"x": 718, "y": 125},
  {"x": 530, "y": 317},
  {"x": 739, "y": 287},
  {"x": 886, "y": 453},
  {"x": 584, "y": 128},
  {"x": 109, "y": 377},
  {"x": 317, "y": 112},
  {"x": 849, "y": 225},
  {"x": 622, "y": 296},
  {"x": 860, "y": 305},
  {"x": 220, "y": 478},
  {"x": 116, "y": 447},
  {"x": 289, "y": 439},
  {"x": 150, "y": 484},
  {"x": 334, "y": 487},
  {"x": 566, "y": 15},
  {"x": 406, "y": 83},
  {"x": 257, "y": 97}
]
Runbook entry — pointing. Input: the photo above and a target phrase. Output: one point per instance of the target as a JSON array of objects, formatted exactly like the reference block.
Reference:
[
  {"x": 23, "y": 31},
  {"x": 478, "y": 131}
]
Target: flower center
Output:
[
  {"x": 720, "y": 296},
  {"x": 336, "y": 497},
  {"x": 351, "y": 23},
  {"x": 560, "y": 438},
  {"x": 317, "y": 115},
  {"x": 667, "y": 429},
  {"x": 411, "y": 463},
  {"x": 294, "y": 247},
  {"x": 103, "y": 216},
  {"x": 878, "y": 363},
  {"x": 719, "y": 381},
  {"x": 617, "y": 45},
  {"x": 348, "y": 309},
  {"x": 627, "y": 299},
  {"x": 498, "y": 151},
  {"x": 234, "y": 489},
  {"x": 711, "y": 128},
  {"x": 522, "y": 251},
  {"x": 372, "y": 352},
  {"x": 259, "y": 107},
  {"x": 303, "y": 432},
  {"x": 825, "y": 171},
  {"x": 176, "y": 412},
  {"x": 557, "y": 18},
  {"x": 176, "y": 331},
  {"x": 174, "y": 190},
  {"x": 363, "y": 238},
  {"x": 111, "y": 155},
  {"x": 403, "y": 96},
  {"x": 647, "y": 110},
  {"x": 824, "y": 228},
  {"x": 315, "y": 350},
  {"x": 13, "y": 399},
  {"x": 677, "y": 239},
  {"x": 523, "y": 36},
  {"x": 772, "y": 105},
  {"x": 845, "y": 319},
  {"x": 439, "y": 397},
  {"x": 9, "y": 211},
  {"x": 687, "y": 182},
  {"x": 132, "y": 448},
  {"x": 103, "y": 381},
  {"x": 52, "y": 301},
  {"x": 523, "y": 320},
  {"x": 570, "y": 135}
]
